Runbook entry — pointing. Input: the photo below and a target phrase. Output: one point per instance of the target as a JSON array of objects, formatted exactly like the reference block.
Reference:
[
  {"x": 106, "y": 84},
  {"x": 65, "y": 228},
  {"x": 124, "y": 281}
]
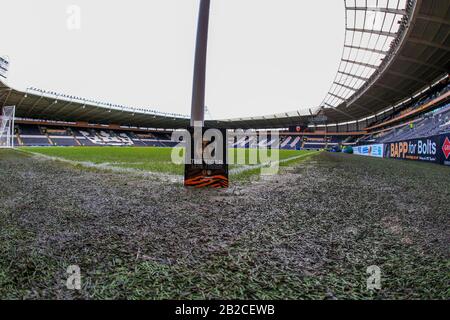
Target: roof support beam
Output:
[
  {"x": 336, "y": 96},
  {"x": 354, "y": 76},
  {"x": 34, "y": 104},
  {"x": 376, "y": 98},
  {"x": 377, "y": 32},
  {"x": 415, "y": 61},
  {"x": 401, "y": 75},
  {"x": 348, "y": 115},
  {"x": 375, "y": 9},
  {"x": 92, "y": 118},
  {"x": 129, "y": 118},
  {"x": 75, "y": 110},
  {"x": 366, "y": 49},
  {"x": 94, "y": 109},
  {"x": 326, "y": 115},
  {"x": 123, "y": 114},
  {"x": 2, "y": 94},
  {"x": 105, "y": 115},
  {"x": 22, "y": 100},
  {"x": 3, "y": 90},
  {"x": 378, "y": 84},
  {"x": 344, "y": 86},
  {"x": 63, "y": 107},
  {"x": 361, "y": 63},
  {"x": 435, "y": 19},
  {"x": 357, "y": 105},
  {"x": 7, "y": 97},
  {"x": 101, "y": 113},
  {"x": 45, "y": 109},
  {"x": 428, "y": 43}
]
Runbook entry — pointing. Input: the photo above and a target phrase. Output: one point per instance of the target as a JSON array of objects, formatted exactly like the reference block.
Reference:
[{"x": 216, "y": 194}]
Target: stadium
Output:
[{"x": 357, "y": 208}]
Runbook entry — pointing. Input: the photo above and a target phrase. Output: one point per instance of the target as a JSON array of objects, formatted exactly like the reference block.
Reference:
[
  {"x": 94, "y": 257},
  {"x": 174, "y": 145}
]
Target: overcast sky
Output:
[{"x": 265, "y": 56}]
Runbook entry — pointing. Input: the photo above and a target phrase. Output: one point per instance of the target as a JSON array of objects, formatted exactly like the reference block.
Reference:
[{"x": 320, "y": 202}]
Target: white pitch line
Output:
[
  {"x": 172, "y": 178},
  {"x": 267, "y": 164},
  {"x": 108, "y": 167}
]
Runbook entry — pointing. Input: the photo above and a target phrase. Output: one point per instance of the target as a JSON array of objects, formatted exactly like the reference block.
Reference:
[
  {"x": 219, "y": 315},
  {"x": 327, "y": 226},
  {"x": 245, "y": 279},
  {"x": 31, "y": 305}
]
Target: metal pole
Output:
[
  {"x": 12, "y": 126},
  {"x": 198, "y": 90}
]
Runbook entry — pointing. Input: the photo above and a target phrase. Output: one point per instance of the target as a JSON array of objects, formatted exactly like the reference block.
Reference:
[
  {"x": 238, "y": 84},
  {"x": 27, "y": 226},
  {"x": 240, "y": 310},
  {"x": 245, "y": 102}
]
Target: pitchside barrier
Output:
[
  {"x": 374, "y": 150},
  {"x": 434, "y": 149}
]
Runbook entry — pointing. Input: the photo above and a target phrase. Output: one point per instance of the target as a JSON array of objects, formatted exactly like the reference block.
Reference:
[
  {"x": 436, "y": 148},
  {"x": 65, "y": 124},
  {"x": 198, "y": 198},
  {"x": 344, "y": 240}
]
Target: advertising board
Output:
[
  {"x": 374, "y": 150},
  {"x": 435, "y": 149}
]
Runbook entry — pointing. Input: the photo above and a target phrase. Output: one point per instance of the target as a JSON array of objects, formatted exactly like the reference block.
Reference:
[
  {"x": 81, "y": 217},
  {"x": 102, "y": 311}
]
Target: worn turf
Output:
[{"x": 309, "y": 233}]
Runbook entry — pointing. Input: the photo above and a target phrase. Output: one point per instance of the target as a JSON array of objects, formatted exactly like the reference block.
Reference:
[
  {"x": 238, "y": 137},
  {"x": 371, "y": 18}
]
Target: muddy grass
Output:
[{"x": 309, "y": 233}]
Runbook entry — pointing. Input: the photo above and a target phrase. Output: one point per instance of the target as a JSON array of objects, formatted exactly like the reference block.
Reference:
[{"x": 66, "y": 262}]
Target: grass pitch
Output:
[
  {"x": 159, "y": 159},
  {"x": 308, "y": 233}
]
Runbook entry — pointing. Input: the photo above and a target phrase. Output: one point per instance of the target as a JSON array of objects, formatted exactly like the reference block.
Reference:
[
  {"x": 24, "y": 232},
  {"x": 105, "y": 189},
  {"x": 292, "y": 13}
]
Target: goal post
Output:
[{"x": 7, "y": 127}]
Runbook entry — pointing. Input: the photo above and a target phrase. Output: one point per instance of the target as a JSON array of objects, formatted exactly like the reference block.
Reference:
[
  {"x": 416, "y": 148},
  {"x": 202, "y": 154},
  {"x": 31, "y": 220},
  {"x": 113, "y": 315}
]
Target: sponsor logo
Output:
[
  {"x": 446, "y": 148},
  {"x": 399, "y": 149},
  {"x": 421, "y": 148}
]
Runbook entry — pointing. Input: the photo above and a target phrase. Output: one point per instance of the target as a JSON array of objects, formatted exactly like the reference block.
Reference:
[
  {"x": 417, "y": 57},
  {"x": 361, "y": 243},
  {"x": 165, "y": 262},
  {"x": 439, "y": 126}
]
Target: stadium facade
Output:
[{"x": 391, "y": 84}]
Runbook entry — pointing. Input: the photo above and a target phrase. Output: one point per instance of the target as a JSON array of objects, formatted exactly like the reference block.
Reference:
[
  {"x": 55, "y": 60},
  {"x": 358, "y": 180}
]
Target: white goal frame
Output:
[{"x": 7, "y": 127}]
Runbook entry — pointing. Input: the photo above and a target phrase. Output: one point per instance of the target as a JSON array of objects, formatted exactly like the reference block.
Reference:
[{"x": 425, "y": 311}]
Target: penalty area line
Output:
[
  {"x": 107, "y": 167},
  {"x": 158, "y": 175},
  {"x": 267, "y": 164}
]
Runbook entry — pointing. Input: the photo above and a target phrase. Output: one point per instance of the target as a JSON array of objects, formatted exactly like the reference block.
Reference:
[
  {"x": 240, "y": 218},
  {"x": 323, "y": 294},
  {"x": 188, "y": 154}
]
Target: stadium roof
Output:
[
  {"x": 418, "y": 56},
  {"x": 393, "y": 49}
]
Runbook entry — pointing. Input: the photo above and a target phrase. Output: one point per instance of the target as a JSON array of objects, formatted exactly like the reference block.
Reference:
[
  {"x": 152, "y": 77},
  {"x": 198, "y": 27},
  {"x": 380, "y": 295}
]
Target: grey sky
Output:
[{"x": 265, "y": 56}]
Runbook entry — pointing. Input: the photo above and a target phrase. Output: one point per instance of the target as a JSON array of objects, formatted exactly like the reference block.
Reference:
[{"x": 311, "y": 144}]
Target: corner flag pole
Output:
[
  {"x": 198, "y": 173},
  {"x": 198, "y": 90}
]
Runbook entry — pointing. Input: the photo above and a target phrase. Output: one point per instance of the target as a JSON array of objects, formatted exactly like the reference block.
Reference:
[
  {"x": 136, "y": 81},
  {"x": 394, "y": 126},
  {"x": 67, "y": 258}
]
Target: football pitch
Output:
[
  {"x": 310, "y": 232},
  {"x": 159, "y": 160}
]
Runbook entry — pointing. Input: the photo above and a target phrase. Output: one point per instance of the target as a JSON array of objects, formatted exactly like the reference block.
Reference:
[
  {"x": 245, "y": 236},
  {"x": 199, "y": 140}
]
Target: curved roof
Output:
[
  {"x": 392, "y": 50},
  {"x": 39, "y": 104},
  {"x": 418, "y": 56}
]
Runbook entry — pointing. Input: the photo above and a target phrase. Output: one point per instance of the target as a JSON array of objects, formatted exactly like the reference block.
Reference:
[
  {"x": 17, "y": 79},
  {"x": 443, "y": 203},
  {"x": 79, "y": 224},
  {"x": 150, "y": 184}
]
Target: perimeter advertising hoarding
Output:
[
  {"x": 435, "y": 149},
  {"x": 445, "y": 148},
  {"x": 374, "y": 150}
]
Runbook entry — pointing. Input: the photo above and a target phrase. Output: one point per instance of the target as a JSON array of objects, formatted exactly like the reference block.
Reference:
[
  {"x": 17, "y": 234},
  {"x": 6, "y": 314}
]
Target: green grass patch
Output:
[{"x": 154, "y": 159}]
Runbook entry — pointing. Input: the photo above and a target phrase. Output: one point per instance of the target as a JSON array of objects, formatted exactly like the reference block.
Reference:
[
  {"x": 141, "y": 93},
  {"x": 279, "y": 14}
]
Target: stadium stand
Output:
[
  {"x": 406, "y": 94},
  {"x": 433, "y": 123},
  {"x": 31, "y": 135},
  {"x": 427, "y": 115},
  {"x": 315, "y": 142},
  {"x": 37, "y": 135},
  {"x": 61, "y": 136},
  {"x": 426, "y": 101}
]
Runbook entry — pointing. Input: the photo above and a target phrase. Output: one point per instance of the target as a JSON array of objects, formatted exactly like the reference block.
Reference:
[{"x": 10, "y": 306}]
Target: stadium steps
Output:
[
  {"x": 285, "y": 142},
  {"x": 19, "y": 139},
  {"x": 75, "y": 138}
]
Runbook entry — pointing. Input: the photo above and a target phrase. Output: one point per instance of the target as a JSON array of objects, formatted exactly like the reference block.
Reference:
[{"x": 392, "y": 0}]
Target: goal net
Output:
[{"x": 7, "y": 127}]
